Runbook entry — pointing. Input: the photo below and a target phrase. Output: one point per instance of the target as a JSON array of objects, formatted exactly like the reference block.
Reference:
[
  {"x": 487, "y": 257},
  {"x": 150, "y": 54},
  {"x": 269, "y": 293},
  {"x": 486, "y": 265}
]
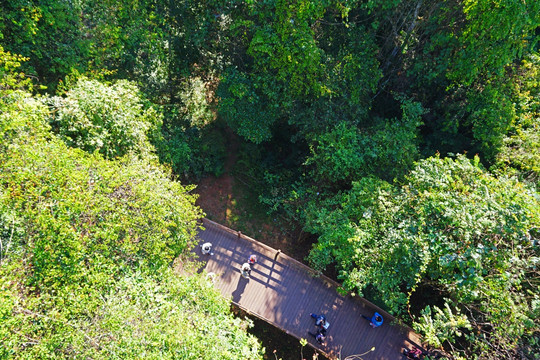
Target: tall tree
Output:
[
  {"x": 451, "y": 226},
  {"x": 303, "y": 65},
  {"x": 50, "y": 33},
  {"x": 114, "y": 120},
  {"x": 86, "y": 247}
]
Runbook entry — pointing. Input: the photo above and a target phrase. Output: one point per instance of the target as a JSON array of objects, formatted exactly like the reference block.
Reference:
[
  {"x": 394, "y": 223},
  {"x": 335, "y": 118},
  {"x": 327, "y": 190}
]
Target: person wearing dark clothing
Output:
[
  {"x": 375, "y": 321},
  {"x": 414, "y": 353},
  {"x": 320, "y": 336}
]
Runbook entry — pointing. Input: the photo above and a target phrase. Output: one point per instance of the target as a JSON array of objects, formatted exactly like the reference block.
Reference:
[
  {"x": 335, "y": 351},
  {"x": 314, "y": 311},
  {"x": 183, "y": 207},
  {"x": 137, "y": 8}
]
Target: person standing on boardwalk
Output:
[
  {"x": 252, "y": 259},
  {"x": 206, "y": 248},
  {"x": 320, "y": 336},
  {"x": 245, "y": 270},
  {"x": 375, "y": 321}
]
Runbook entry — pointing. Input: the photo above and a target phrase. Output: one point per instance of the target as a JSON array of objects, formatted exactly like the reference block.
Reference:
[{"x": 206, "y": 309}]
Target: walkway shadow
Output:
[
  {"x": 240, "y": 287},
  {"x": 283, "y": 292}
]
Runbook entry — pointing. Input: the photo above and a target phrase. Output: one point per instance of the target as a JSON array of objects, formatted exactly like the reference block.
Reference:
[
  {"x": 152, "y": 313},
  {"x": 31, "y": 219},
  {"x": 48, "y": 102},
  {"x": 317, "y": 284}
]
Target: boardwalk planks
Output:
[{"x": 284, "y": 292}]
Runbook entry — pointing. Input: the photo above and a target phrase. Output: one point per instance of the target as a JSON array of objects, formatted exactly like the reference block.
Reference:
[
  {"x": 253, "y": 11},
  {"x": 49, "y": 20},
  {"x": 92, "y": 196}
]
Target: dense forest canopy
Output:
[
  {"x": 87, "y": 243},
  {"x": 350, "y": 115}
]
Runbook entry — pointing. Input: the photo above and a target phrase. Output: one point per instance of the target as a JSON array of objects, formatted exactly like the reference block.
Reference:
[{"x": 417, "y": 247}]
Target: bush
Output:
[{"x": 111, "y": 119}]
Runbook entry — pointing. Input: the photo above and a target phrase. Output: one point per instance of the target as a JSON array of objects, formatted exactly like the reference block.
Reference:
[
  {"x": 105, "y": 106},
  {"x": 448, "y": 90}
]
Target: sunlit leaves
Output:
[
  {"x": 112, "y": 120},
  {"x": 521, "y": 150},
  {"x": 450, "y": 224},
  {"x": 86, "y": 251},
  {"x": 9, "y": 78},
  {"x": 495, "y": 33},
  {"x": 441, "y": 325}
]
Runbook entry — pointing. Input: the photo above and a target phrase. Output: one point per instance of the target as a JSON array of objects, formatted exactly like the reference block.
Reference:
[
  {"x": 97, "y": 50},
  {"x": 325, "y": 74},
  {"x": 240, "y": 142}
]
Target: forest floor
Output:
[{"x": 229, "y": 200}]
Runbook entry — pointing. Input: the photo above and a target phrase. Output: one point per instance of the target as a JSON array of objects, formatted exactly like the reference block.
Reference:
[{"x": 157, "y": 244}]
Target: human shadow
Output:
[
  {"x": 232, "y": 252},
  {"x": 240, "y": 287}
]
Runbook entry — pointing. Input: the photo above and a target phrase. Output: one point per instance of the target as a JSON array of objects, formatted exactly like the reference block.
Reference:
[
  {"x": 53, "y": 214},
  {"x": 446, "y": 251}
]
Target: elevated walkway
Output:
[{"x": 283, "y": 292}]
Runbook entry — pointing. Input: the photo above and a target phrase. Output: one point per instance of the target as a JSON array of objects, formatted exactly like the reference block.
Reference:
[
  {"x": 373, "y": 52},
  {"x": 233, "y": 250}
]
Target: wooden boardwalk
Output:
[{"x": 283, "y": 292}]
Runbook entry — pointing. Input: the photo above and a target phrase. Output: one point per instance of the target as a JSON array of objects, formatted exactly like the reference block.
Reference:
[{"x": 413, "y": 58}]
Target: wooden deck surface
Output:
[{"x": 284, "y": 292}]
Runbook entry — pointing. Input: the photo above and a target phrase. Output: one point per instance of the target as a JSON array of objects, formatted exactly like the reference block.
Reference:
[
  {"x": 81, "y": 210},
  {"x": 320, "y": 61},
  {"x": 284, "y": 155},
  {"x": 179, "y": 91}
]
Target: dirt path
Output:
[
  {"x": 216, "y": 193},
  {"x": 228, "y": 202}
]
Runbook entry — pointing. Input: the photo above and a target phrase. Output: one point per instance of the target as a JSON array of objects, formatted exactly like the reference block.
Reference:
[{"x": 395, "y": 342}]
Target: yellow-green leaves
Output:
[{"x": 111, "y": 119}]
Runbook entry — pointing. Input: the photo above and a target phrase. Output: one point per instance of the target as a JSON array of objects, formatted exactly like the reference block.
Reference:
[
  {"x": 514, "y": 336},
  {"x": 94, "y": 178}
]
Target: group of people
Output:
[
  {"x": 245, "y": 269},
  {"x": 322, "y": 326},
  {"x": 321, "y": 322}
]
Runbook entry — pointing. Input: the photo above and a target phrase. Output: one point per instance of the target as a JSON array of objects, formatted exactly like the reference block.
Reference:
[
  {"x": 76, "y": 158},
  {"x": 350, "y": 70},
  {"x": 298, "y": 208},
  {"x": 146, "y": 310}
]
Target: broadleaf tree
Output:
[{"x": 450, "y": 225}]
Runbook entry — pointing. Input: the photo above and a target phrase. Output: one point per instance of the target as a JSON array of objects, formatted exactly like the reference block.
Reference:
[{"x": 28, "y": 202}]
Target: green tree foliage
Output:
[
  {"x": 521, "y": 150},
  {"x": 492, "y": 36},
  {"x": 307, "y": 64},
  {"x": 196, "y": 107},
  {"x": 85, "y": 255},
  {"x": 49, "y": 32},
  {"x": 159, "y": 43},
  {"x": 248, "y": 111},
  {"x": 21, "y": 116},
  {"x": 462, "y": 59},
  {"x": 193, "y": 140},
  {"x": 194, "y": 152},
  {"x": 387, "y": 150},
  {"x": 113, "y": 120},
  {"x": 155, "y": 317},
  {"x": 130, "y": 38},
  {"x": 307, "y": 67},
  {"x": 491, "y": 114},
  {"x": 443, "y": 326},
  {"x": 311, "y": 85},
  {"x": 136, "y": 216},
  {"x": 9, "y": 78},
  {"x": 451, "y": 225}
]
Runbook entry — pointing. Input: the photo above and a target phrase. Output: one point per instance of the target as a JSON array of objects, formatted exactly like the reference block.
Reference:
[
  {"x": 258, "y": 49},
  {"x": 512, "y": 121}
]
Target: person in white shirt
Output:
[
  {"x": 245, "y": 270},
  {"x": 206, "y": 248}
]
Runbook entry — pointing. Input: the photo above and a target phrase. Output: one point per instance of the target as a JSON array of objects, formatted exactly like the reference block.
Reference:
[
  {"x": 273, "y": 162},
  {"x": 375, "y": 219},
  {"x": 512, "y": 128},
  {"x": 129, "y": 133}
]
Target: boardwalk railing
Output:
[{"x": 283, "y": 292}]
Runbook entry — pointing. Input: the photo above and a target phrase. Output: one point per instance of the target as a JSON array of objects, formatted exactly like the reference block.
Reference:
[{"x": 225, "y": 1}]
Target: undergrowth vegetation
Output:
[{"x": 402, "y": 134}]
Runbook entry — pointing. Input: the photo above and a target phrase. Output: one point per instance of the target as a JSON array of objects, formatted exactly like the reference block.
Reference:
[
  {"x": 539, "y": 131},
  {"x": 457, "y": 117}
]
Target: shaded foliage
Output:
[
  {"x": 387, "y": 149},
  {"x": 49, "y": 33},
  {"x": 304, "y": 69}
]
